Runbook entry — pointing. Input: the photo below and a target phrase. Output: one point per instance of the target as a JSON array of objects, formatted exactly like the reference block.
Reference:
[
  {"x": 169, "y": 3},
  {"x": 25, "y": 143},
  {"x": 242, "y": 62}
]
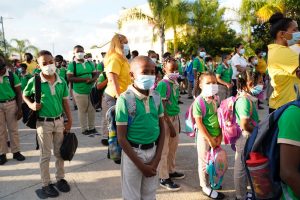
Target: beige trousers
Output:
[
  {"x": 239, "y": 173},
  {"x": 103, "y": 118},
  {"x": 202, "y": 149},
  {"x": 9, "y": 122},
  {"x": 86, "y": 111},
  {"x": 167, "y": 161},
  {"x": 50, "y": 134},
  {"x": 135, "y": 186}
]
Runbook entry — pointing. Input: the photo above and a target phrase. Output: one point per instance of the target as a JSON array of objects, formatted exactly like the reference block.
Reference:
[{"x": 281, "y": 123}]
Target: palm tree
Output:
[
  {"x": 270, "y": 8},
  {"x": 22, "y": 46},
  {"x": 158, "y": 18}
]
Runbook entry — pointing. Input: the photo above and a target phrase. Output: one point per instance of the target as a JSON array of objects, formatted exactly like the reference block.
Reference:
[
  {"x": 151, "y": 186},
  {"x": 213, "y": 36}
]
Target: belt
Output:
[
  {"x": 143, "y": 146},
  {"x": 6, "y": 101},
  {"x": 49, "y": 119}
]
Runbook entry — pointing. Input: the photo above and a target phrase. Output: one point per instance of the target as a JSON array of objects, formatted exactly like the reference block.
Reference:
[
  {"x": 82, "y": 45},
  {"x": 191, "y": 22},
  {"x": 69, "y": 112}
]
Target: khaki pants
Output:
[
  {"x": 50, "y": 134},
  {"x": 103, "y": 118},
  {"x": 223, "y": 92},
  {"x": 240, "y": 176},
  {"x": 202, "y": 149},
  {"x": 135, "y": 186},
  {"x": 167, "y": 161},
  {"x": 190, "y": 88},
  {"x": 8, "y": 121},
  {"x": 86, "y": 111}
]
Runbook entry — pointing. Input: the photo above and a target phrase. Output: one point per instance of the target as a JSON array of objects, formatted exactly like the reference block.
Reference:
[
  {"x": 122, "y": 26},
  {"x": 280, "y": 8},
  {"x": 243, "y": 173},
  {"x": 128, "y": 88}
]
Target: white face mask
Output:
[
  {"x": 209, "y": 90},
  {"x": 126, "y": 49},
  {"x": 255, "y": 62},
  {"x": 49, "y": 69},
  {"x": 154, "y": 60},
  {"x": 263, "y": 54},
  {"x": 202, "y": 54},
  {"x": 229, "y": 62},
  {"x": 242, "y": 51},
  {"x": 79, "y": 55},
  {"x": 90, "y": 59},
  {"x": 144, "y": 82}
]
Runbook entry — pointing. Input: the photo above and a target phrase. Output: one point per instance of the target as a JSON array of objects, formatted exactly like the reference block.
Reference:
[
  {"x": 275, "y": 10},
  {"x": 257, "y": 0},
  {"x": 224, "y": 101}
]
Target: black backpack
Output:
[
  {"x": 96, "y": 95},
  {"x": 69, "y": 146}
]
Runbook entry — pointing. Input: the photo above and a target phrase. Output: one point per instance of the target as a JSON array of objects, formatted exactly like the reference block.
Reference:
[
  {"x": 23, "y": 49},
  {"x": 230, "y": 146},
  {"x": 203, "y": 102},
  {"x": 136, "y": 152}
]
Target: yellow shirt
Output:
[
  {"x": 120, "y": 67},
  {"x": 31, "y": 66},
  {"x": 282, "y": 65},
  {"x": 261, "y": 66}
]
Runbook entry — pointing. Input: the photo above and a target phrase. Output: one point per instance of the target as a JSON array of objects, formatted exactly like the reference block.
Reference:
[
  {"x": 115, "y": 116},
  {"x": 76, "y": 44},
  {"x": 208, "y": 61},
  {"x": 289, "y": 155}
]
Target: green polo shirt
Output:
[
  {"x": 243, "y": 110},
  {"x": 6, "y": 91},
  {"x": 62, "y": 72},
  {"x": 24, "y": 80},
  {"x": 198, "y": 64},
  {"x": 224, "y": 72},
  {"x": 210, "y": 120},
  {"x": 51, "y": 95},
  {"x": 172, "y": 106},
  {"x": 36, "y": 71},
  {"x": 83, "y": 70},
  {"x": 100, "y": 67},
  {"x": 145, "y": 127},
  {"x": 179, "y": 67},
  {"x": 289, "y": 133}
]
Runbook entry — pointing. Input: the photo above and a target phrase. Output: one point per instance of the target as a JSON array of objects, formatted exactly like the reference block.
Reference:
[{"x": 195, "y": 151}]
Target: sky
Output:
[{"x": 58, "y": 25}]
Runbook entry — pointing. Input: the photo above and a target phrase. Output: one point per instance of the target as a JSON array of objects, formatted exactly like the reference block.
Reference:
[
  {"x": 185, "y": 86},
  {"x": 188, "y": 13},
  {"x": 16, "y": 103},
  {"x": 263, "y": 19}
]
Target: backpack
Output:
[
  {"x": 114, "y": 149},
  {"x": 217, "y": 165},
  {"x": 226, "y": 115},
  {"x": 190, "y": 123},
  {"x": 96, "y": 95},
  {"x": 69, "y": 146},
  {"x": 11, "y": 80},
  {"x": 263, "y": 140},
  {"x": 168, "y": 94}
]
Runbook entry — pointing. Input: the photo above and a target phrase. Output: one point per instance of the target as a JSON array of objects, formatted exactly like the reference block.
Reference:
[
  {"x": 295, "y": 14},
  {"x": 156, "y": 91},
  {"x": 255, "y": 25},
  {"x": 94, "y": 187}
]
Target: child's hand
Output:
[
  {"x": 172, "y": 131},
  {"x": 219, "y": 140},
  {"x": 148, "y": 170},
  {"x": 212, "y": 142}
]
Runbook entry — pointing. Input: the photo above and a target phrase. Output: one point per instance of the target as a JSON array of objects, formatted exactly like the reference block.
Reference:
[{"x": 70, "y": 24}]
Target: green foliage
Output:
[{"x": 21, "y": 47}]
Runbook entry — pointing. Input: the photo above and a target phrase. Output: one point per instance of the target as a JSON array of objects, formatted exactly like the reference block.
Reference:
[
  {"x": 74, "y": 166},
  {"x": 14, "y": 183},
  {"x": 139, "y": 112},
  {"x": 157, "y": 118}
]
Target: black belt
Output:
[
  {"x": 143, "y": 146},
  {"x": 6, "y": 101},
  {"x": 49, "y": 119}
]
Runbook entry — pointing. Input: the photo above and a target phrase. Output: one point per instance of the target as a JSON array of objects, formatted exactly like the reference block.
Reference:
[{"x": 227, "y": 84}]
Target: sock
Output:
[{"x": 207, "y": 190}]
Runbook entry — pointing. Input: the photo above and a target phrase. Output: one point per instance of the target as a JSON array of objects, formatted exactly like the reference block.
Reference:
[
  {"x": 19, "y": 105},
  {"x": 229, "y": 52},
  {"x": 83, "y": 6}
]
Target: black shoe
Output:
[
  {"x": 180, "y": 102},
  {"x": 3, "y": 159},
  {"x": 8, "y": 144},
  {"x": 98, "y": 110},
  {"x": 169, "y": 184},
  {"x": 184, "y": 92},
  {"x": 18, "y": 156},
  {"x": 260, "y": 108},
  {"x": 104, "y": 142},
  {"x": 190, "y": 97},
  {"x": 93, "y": 131},
  {"x": 181, "y": 92},
  {"x": 86, "y": 132},
  {"x": 63, "y": 186},
  {"x": 75, "y": 108},
  {"x": 176, "y": 175},
  {"x": 50, "y": 191}
]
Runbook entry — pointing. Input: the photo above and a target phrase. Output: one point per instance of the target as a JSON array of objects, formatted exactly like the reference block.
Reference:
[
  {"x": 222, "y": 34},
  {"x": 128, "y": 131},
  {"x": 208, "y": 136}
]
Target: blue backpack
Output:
[
  {"x": 263, "y": 141},
  {"x": 114, "y": 149}
]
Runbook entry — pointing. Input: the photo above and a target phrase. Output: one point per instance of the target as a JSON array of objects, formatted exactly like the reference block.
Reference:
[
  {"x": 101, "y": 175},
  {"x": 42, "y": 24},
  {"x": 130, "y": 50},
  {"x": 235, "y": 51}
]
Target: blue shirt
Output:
[{"x": 189, "y": 71}]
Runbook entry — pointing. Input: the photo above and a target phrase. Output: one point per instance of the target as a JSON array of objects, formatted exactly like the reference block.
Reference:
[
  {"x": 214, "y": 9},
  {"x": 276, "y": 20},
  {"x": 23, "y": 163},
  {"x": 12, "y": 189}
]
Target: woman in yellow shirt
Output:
[{"x": 283, "y": 63}]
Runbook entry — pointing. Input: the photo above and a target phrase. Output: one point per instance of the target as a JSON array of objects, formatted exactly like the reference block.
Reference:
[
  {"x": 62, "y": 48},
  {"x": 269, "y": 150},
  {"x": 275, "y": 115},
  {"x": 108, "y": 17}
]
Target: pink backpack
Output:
[
  {"x": 168, "y": 94},
  {"x": 190, "y": 123},
  {"x": 230, "y": 129}
]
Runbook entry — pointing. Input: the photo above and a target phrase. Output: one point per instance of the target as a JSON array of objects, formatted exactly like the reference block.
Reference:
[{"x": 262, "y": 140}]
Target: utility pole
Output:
[
  {"x": 4, "y": 42},
  {"x": 53, "y": 47}
]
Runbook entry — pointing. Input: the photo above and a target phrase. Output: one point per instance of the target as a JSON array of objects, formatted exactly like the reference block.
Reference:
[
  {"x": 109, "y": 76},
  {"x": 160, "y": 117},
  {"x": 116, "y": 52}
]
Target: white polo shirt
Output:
[{"x": 237, "y": 60}]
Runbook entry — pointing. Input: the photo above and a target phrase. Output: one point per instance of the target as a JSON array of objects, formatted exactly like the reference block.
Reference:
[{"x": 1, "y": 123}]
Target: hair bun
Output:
[{"x": 275, "y": 18}]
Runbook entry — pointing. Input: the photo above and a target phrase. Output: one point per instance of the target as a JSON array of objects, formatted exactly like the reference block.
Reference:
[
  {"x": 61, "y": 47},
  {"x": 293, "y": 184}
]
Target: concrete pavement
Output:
[{"x": 93, "y": 177}]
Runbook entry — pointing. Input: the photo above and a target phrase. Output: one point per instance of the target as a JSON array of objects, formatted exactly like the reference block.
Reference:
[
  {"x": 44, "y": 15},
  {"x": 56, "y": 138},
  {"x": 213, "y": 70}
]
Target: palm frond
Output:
[{"x": 134, "y": 14}]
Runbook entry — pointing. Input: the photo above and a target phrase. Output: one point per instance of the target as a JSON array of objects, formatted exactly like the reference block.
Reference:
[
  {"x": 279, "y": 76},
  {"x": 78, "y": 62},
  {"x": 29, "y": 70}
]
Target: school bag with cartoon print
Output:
[
  {"x": 217, "y": 165},
  {"x": 227, "y": 119},
  {"x": 114, "y": 149}
]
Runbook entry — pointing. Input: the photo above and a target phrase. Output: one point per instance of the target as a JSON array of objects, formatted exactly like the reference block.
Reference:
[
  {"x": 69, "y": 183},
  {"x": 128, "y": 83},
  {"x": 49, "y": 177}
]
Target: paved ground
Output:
[{"x": 92, "y": 176}]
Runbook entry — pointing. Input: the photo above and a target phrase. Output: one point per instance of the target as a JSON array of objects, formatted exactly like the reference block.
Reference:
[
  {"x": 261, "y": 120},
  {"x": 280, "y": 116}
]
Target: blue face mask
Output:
[
  {"x": 295, "y": 39},
  {"x": 144, "y": 82},
  {"x": 257, "y": 90}
]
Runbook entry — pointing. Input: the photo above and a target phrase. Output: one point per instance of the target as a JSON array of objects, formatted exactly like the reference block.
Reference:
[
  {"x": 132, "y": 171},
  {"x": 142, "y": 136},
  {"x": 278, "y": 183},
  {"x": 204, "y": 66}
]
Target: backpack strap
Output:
[
  {"x": 202, "y": 106},
  {"x": 296, "y": 88},
  {"x": 38, "y": 89},
  {"x": 168, "y": 95},
  {"x": 11, "y": 80},
  {"x": 74, "y": 70},
  {"x": 156, "y": 98},
  {"x": 131, "y": 105}
]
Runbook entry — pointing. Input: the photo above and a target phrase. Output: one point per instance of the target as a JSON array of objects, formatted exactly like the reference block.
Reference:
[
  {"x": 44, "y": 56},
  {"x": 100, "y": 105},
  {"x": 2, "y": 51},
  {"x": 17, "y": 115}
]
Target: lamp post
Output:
[{"x": 3, "y": 36}]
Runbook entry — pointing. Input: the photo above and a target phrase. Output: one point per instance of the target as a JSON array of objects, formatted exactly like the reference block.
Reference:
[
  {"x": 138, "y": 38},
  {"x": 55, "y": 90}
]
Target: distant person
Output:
[
  {"x": 198, "y": 67},
  {"x": 134, "y": 53},
  {"x": 24, "y": 76},
  {"x": 283, "y": 63},
  {"x": 50, "y": 124},
  {"x": 61, "y": 70},
  {"x": 31, "y": 64},
  {"x": 253, "y": 62},
  {"x": 190, "y": 76},
  {"x": 239, "y": 64},
  {"x": 83, "y": 82},
  {"x": 261, "y": 66},
  {"x": 10, "y": 113},
  {"x": 142, "y": 147}
]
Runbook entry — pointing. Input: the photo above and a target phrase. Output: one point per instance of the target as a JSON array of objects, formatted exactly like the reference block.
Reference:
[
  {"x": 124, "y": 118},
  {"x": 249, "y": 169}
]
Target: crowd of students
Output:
[{"x": 150, "y": 141}]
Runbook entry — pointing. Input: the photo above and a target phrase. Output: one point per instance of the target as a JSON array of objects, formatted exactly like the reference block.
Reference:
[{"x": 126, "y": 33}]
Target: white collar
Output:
[
  {"x": 57, "y": 80},
  {"x": 139, "y": 95}
]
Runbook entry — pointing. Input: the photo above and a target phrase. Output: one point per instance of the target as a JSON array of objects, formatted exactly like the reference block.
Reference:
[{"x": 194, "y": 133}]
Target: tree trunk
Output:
[
  {"x": 175, "y": 40},
  {"x": 162, "y": 39}
]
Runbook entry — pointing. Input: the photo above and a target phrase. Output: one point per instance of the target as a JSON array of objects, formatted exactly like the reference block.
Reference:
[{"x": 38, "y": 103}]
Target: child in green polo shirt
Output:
[
  {"x": 247, "y": 118},
  {"x": 61, "y": 71},
  {"x": 10, "y": 113},
  {"x": 208, "y": 130},
  {"x": 198, "y": 68},
  {"x": 141, "y": 137},
  {"x": 289, "y": 140},
  {"x": 50, "y": 125},
  {"x": 24, "y": 75},
  {"x": 224, "y": 73},
  {"x": 169, "y": 92}
]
